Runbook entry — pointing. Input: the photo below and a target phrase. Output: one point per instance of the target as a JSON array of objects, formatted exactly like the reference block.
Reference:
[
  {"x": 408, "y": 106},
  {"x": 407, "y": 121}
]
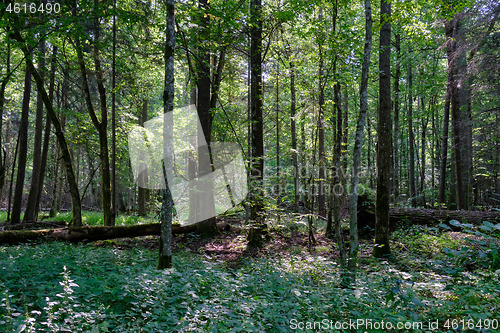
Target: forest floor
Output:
[{"x": 436, "y": 277}]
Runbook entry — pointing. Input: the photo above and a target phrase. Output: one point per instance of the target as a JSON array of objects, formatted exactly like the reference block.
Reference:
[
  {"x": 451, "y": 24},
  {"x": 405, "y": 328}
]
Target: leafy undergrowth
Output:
[{"x": 215, "y": 286}]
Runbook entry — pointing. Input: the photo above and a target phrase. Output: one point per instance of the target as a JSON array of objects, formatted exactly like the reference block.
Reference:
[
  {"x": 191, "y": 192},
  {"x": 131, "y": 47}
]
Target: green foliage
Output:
[
  {"x": 480, "y": 250},
  {"x": 60, "y": 287}
]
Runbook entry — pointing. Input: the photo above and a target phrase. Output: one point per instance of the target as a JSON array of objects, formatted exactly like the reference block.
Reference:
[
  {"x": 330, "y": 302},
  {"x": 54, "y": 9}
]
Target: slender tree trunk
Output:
[
  {"x": 384, "y": 130},
  {"x": 444, "y": 147},
  {"x": 3, "y": 156},
  {"x": 257, "y": 231},
  {"x": 396, "y": 116},
  {"x": 62, "y": 102},
  {"x": 165, "y": 248},
  {"x": 103, "y": 130},
  {"x": 425, "y": 121},
  {"x": 114, "y": 194},
  {"x": 31, "y": 209},
  {"x": 411, "y": 137},
  {"x": 358, "y": 144},
  {"x": 278, "y": 180},
  {"x": 207, "y": 227},
  {"x": 143, "y": 192},
  {"x": 295, "y": 158},
  {"x": 321, "y": 124},
  {"x": 46, "y": 136},
  {"x": 22, "y": 150},
  {"x": 73, "y": 186}
]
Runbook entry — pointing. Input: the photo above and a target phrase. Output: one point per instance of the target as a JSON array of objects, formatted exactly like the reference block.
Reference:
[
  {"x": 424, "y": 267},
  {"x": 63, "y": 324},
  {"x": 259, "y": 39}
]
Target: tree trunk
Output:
[
  {"x": 206, "y": 228},
  {"x": 31, "y": 209},
  {"x": 358, "y": 144},
  {"x": 73, "y": 186},
  {"x": 425, "y": 121},
  {"x": 165, "y": 248},
  {"x": 396, "y": 117},
  {"x": 384, "y": 132},
  {"x": 258, "y": 228},
  {"x": 143, "y": 192},
  {"x": 295, "y": 158},
  {"x": 444, "y": 147},
  {"x": 114, "y": 194},
  {"x": 103, "y": 130},
  {"x": 278, "y": 180},
  {"x": 321, "y": 123},
  {"x": 3, "y": 156},
  {"x": 411, "y": 137},
  {"x": 46, "y": 136},
  {"x": 22, "y": 150},
  {"x": 90, "y": 234}
]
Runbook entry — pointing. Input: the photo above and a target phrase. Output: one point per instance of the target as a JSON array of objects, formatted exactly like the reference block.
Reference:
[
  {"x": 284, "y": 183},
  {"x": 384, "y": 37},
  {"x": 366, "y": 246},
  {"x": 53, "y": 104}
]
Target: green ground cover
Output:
[{"x": 114, "y": 287}]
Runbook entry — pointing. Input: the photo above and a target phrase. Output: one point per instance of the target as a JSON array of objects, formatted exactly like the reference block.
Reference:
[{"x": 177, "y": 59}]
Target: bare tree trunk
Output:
[
  {"x": 295, "y": 158},
  {"x": 46, "y": 136},
  {"x": 259, "y": 227},
  {"x": 358, "y": 144},
  {"x": 207, "y": 227},
  {"x": 22, "y": 150},
  {"x": 66, "y": 156},
  {"x": 321, "y": 123},
  {"x": 411, "y": 137},
  {"x": 143, "y": 192},
  {"x": 278, "y": 180},
  {"x": 31, "y": 209},
  {"x": 425, "y": 121},
  {"x": 444, "y": 147},
  {"x": 165, "y": 252},
  {"x": 114, "y": 193},
  {"x": 396, "y": 117},
  {"x": 384, "y": 132},
  {"x": 3, "y": 156}
]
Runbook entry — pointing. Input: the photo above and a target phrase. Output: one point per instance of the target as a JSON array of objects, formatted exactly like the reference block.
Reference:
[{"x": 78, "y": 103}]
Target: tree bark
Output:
[
  {"x": 321, "y": 123},
  {"x": 143, "y": 192},
  {"x": 396, "y": 117},
  {"x": 46, "y": 136},
  {"x": 73, "y": 186},
  {"x": 384, "y": 132},
  {"x": 165, "y": 248},
  {"x": 295, "y": 157},
  {"x": 31, "y": 209},
  {"x": 22, "y": 150},
  {"x": 3, "y": 156},
  {"x": 207, "y": 227},
  {"x": 358, "y": 144},
  {"x": 90, "y": 234},
  {"x": 258, "y": 228},
  {"x": 411, "y": 137}
]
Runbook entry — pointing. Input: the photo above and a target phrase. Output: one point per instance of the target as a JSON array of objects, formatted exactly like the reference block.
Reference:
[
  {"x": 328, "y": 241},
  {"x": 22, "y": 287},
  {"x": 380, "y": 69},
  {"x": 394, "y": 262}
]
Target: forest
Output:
[{"x": 249, "y": 166}]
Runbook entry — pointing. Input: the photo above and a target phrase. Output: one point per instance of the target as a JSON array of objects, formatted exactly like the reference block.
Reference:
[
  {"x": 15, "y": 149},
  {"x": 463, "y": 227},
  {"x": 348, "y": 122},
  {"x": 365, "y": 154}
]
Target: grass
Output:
[
  {"x": 93, "y": 218},
  {"x": 114, "y": 286}
]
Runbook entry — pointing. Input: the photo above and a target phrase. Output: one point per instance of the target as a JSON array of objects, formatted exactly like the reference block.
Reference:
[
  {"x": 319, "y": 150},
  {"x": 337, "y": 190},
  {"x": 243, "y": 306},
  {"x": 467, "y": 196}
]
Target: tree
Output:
[
  {"x": 165, "y": 255},
  {"x": 384, "y": 132},
  {"x": 100, "y": 125},
  {"x": 358, "y": 143},
  {"x": 208, "y": 227},
  {"x": 22, "y": 149},
  {"x": 66, "y": 156},
  {"x": 31, "y": 206},
  {"x": 257, "y": 130}
]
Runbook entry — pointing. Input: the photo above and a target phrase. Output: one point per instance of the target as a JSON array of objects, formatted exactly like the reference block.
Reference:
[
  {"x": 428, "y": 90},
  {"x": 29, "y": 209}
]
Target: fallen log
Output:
[
  {"x": 90, "y": 234},
  {"x": 428, "y": 217},
  {"x": 35, "y": 225}
]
